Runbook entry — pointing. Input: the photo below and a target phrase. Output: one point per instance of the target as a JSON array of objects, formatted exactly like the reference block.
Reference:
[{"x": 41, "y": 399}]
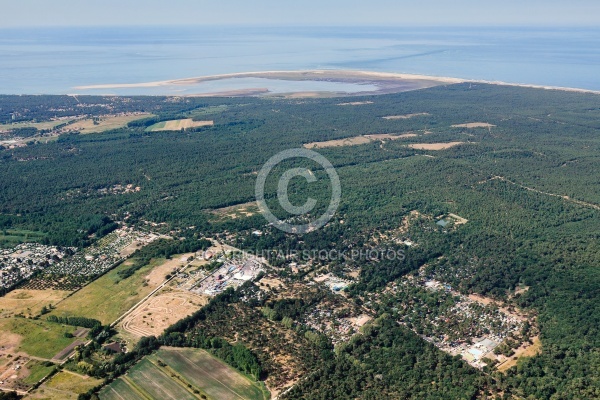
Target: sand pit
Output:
[
  {"x": 406, "y": 116},
  {"x": 474, "y": 125},
  {"x": 159, "y": 312},
  {"x": 434, "y": 146}
]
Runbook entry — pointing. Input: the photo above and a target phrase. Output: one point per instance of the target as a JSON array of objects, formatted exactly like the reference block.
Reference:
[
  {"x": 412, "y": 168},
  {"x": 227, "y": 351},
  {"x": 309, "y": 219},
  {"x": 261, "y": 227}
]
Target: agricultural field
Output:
[
  {"x": 65, "y": 385},
  {"x": 37, "y": 338},
  {"x": 173, "y": 373},
  {"x": 178, "y": 124},
  {"x": 104, "y": 123},
  {"x": 38, "y": 125},
  {"x": 109, "y": 296}
]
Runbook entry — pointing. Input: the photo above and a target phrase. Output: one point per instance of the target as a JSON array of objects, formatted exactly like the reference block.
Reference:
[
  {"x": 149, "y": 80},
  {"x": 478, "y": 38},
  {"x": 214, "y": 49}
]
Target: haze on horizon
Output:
[{"x": 32, "y": 13}]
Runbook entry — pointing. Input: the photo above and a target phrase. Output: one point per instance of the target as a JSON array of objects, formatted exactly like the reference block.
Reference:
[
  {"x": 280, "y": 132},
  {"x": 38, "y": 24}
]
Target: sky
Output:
[{"x": 27, "y": 13}]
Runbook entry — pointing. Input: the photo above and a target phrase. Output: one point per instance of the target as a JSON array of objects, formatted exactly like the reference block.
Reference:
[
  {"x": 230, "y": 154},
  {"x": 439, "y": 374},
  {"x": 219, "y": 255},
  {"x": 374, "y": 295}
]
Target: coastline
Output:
[{"x": 384, "y": 80}]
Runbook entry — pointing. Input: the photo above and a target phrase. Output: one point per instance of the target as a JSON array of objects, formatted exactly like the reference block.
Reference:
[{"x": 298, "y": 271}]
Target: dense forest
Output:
[{"x": 528, "y": 186}]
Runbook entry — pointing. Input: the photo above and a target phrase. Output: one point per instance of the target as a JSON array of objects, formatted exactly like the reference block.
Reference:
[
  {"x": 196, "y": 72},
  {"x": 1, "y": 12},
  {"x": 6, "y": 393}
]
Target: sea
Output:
[{"x": 57, "y": 60}]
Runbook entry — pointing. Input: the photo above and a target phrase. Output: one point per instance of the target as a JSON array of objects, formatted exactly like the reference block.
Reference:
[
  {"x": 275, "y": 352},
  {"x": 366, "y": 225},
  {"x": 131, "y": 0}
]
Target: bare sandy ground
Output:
[
  {"x": 384, "y": 136},
  {"x": 474, "y": 125},
  {"x": 406, "y": 116},
  {"x": 29, "y": 302},
  {"x": 355, "y": 103},
  {"x": 356, "y": 140},
  {"x": 161, "y": 311},
  {"x": 178, "y": 124},
  {"x": 329, "y": 75},
  {"x": 434, "y": 146}
]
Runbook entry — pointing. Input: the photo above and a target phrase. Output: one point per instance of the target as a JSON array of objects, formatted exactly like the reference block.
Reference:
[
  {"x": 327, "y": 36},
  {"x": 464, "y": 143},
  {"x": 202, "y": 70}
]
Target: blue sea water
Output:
[{"x": 55, "y": 60}]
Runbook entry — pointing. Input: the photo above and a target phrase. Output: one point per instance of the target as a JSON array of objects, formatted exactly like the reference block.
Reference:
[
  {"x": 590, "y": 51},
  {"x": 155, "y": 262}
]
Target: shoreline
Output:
[{"x": 381, "y": 79}]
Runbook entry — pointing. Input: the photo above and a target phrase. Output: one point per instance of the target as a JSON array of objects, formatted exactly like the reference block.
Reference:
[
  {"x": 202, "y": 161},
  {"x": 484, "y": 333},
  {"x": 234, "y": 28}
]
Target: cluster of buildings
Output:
[
  {"x": 328, "y": 322},
  {"x": 469, "y": 328},
  {"x": 25, "y": 259},
  {"x": 233, "y": 272},
  {"x": 102, "y": 255},
  {"x": 334, "y": 283},
  {"x": 120, "y": 189}
]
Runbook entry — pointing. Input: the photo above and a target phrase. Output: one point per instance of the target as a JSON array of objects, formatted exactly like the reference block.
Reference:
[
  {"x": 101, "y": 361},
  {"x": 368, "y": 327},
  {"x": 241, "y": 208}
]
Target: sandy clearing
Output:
[
  {"x": 458, "y": 220},
  {"x": 383, "y": 136},
  {"x": 243, "y": 210},
  {"x": 161, "y": 311},
  {"x": 105, "y": 123},
  {"x": 355, "y": 103},
  {"x": 157, "y": 276},
  {"x": 526, "y": 350},
  {"x": 129, "y": 250},
  {"x": 352, "y": 141},
  {"x": 406, "y": 116},
  {"x": 29, "y": 301},
  {"x": 360, "y": 320},
  {"x": 357, "y": 140},
  {"x": 474, "y": 125},
  {"x": 9, "y": 342},
  {"x": 434, "y": 146},
  {"x": 178, "y": 124}
]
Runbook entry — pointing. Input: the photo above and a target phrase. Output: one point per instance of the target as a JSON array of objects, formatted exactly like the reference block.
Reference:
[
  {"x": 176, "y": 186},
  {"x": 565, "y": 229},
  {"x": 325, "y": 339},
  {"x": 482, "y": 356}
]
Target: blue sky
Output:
[{"x": 15, "y": 13}]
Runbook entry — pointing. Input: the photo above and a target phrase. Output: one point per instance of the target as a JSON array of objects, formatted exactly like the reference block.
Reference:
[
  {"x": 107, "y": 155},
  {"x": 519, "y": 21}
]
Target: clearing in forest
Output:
[
  {"x": 178, "y": 124},
  {"x": 357, "y": 140},
  {"x": 405, "y": 116},
  {"x": 474, "y": 125},
  {"x": 434, "y": 146}
]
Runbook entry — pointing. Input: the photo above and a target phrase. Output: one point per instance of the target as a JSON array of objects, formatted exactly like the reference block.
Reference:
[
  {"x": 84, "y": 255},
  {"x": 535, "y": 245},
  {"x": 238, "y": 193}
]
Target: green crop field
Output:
[
  {"x": 157, "y": 383},
  {"x": 217, "y": 379},
  {"x": 120, "y": 390},
  {"x": 174, "y": 373}
]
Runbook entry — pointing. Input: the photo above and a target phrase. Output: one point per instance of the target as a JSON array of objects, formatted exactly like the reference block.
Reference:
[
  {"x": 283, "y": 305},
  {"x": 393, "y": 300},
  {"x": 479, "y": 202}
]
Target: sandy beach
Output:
[{"x": 387, "y": 82}]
